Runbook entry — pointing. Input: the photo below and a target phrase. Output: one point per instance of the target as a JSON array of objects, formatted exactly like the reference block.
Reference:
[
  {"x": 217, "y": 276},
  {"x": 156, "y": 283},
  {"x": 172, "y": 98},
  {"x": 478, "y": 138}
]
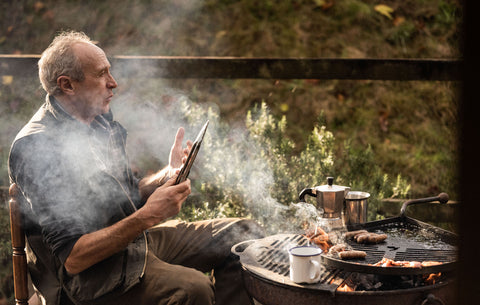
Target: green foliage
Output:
[
  {"x": 301, "y": 28},
  {"x": 448, "y": 14},
  {"x": 402, "y": 34},
  {"x": 257, "y": 173},
  {"x": 19, "y": 99},
  {"x": 355, "y": 9}
]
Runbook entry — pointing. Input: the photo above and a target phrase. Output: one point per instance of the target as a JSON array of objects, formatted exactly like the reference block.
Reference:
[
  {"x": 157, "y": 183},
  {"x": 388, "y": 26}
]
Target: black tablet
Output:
[{"x": 185, "y": 170}]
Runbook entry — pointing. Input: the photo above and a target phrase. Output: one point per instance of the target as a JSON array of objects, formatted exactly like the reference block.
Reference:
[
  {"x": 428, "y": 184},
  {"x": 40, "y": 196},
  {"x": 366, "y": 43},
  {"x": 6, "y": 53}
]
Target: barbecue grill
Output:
[{"x": 265, "y": 265}]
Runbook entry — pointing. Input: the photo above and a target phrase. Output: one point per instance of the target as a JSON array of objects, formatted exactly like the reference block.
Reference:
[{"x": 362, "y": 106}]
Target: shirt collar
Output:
[
  {"x": 57, "y": 110},
  {"x": 100, "y": 121}
]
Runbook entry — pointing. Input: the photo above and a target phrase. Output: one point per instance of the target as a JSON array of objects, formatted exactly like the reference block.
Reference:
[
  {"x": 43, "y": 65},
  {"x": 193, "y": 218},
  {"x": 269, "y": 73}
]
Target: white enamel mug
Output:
[{"x": 305, "y": 266}]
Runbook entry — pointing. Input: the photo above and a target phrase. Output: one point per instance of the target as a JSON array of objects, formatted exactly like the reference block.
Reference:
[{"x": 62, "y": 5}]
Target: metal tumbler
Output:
[{"x": 356, "y": 206}]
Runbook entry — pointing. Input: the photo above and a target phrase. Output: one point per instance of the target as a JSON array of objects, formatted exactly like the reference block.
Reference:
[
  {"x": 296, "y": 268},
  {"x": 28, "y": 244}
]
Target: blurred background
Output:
[{"x": 394, "y": 139}]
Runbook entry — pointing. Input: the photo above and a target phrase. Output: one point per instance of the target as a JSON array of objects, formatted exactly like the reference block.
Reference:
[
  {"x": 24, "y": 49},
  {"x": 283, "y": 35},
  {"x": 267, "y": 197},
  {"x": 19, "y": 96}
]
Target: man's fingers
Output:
[
  {"x": 186, "y": 151},
  {"x": 171, "y": 180},
  {"x": 179, "y": 136}
]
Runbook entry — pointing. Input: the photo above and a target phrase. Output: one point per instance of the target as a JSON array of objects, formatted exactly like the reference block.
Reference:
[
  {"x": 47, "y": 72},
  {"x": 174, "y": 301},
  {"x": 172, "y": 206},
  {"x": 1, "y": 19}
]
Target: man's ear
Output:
[{"x": 65, "y": 84}]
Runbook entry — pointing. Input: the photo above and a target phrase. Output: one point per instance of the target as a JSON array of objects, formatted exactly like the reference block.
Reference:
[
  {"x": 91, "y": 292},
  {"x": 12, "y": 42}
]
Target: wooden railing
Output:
[
  {"x": 173, "y": 67},
  {"x": 261, "y": 68}
]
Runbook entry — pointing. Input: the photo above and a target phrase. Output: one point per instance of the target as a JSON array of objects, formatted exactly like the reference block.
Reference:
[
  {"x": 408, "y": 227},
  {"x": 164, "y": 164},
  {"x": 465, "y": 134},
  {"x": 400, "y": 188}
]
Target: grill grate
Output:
[
  {"x": 375, "y": 253},
  {"x": 425, "y": 255},
  {"x": 268, "y": 259},
  {"x": 274, "y": 258},
  {"x": 406, "y": 242},
  {"x": 275, "y": 255},
  {"x": 265, "y": 266}
]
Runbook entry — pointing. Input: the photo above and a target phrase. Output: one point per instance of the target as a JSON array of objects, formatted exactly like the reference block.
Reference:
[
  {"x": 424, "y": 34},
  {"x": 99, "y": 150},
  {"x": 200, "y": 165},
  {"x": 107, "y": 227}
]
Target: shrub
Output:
[{"x": 254, "y": 171}]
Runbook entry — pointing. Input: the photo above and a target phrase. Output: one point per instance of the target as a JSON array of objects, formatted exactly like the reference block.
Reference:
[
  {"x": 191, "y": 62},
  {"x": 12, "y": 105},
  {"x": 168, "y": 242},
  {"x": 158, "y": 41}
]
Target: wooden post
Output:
[{"x": 18, "y": 244}]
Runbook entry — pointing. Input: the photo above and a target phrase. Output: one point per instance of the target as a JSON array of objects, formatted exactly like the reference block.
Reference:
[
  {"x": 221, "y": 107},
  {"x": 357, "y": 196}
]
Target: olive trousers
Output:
[{"x": 181, "y": 255}]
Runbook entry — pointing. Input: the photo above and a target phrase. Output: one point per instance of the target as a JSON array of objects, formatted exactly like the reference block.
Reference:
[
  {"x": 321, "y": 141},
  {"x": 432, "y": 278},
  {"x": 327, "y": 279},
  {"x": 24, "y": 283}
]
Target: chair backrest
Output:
[{"x": 20, "y": 279}]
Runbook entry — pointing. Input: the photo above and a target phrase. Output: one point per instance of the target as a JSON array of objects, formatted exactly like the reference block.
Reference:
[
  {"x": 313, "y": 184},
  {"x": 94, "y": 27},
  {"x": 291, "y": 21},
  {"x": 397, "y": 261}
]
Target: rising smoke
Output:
[{"x": 228, "y": 159}]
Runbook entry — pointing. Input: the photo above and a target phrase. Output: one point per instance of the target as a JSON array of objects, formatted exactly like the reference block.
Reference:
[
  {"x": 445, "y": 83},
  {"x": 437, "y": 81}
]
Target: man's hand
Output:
[
  {"x": 165, "y": 202},
  {"x": 94, "y": 247},
  {"x": 178, "y": 154}
]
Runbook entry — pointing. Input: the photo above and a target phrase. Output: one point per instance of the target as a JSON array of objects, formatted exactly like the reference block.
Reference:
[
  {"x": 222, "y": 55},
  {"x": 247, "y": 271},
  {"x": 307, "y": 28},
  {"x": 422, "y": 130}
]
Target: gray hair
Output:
[{"x": 59, "y": 59}]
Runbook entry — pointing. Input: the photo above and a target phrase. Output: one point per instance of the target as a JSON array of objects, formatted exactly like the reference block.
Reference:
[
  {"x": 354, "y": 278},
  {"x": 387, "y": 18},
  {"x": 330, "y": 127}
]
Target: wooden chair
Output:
[{"x": 20, "y": 278}]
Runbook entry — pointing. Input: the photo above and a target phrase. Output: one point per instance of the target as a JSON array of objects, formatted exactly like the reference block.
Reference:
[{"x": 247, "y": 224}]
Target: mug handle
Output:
[{"x": 317, "y": 268}]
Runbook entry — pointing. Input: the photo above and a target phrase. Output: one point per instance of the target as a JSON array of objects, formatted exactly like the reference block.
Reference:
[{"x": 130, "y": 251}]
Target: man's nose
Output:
[{"x": 111, "y": 83}]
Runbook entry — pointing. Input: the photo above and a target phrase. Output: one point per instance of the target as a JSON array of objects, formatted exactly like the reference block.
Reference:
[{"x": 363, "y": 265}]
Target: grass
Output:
[{"x": 403, "y": 122}]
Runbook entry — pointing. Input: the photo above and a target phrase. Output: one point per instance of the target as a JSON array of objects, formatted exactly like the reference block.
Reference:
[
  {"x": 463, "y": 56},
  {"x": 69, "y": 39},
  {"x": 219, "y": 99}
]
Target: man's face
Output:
[{"x": 94, "y": 93}]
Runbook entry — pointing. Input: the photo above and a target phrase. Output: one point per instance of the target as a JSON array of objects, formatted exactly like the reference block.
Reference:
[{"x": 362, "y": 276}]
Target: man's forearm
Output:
[{"x": 94, "y": 247}]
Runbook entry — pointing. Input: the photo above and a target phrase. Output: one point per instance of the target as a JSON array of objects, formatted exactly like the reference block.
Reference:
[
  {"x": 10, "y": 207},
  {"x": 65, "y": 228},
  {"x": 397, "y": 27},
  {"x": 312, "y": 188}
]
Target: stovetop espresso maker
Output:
[{"x": 330, "y": 198}]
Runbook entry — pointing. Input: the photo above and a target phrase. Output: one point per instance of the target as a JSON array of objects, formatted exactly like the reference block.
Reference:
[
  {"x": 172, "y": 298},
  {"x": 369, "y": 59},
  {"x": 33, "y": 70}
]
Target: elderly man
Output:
[{"x": 95, "y": 233}]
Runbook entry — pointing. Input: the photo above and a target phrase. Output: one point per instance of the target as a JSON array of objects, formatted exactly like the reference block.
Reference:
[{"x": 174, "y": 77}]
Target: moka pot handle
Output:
[{"x": 308, "y": 191}]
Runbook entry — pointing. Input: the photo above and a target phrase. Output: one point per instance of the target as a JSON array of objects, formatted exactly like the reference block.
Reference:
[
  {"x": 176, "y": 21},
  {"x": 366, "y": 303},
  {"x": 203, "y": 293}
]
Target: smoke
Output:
[
  {"x": 228, "y": 160},
  {"x": 152, "y": 111}
]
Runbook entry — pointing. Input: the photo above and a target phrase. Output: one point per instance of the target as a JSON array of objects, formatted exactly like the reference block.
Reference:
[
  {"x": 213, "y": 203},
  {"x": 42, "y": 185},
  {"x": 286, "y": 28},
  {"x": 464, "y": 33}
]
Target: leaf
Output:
[
  {"x": 385, "y": 10},
  {"x": 7, "y": 80}
]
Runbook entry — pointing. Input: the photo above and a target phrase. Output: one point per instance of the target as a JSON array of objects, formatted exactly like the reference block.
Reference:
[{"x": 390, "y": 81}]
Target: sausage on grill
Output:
[
  {"x": 352, "y": 234},
  {"x": 352, "y": 254},
  {"x": 376, "y": 238},
  {"x": 362, "y": 237},
  {"x": 370, "y": 238},
  {"x": 338, "y": 248}
]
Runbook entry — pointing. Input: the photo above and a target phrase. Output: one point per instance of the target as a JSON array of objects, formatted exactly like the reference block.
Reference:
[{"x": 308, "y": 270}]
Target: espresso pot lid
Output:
[{"x": 330, "y": 187}]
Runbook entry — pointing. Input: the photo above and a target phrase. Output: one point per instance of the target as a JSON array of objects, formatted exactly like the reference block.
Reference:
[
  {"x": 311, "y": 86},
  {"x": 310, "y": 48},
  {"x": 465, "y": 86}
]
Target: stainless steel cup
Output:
[{"x": 356, "y": 207}]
